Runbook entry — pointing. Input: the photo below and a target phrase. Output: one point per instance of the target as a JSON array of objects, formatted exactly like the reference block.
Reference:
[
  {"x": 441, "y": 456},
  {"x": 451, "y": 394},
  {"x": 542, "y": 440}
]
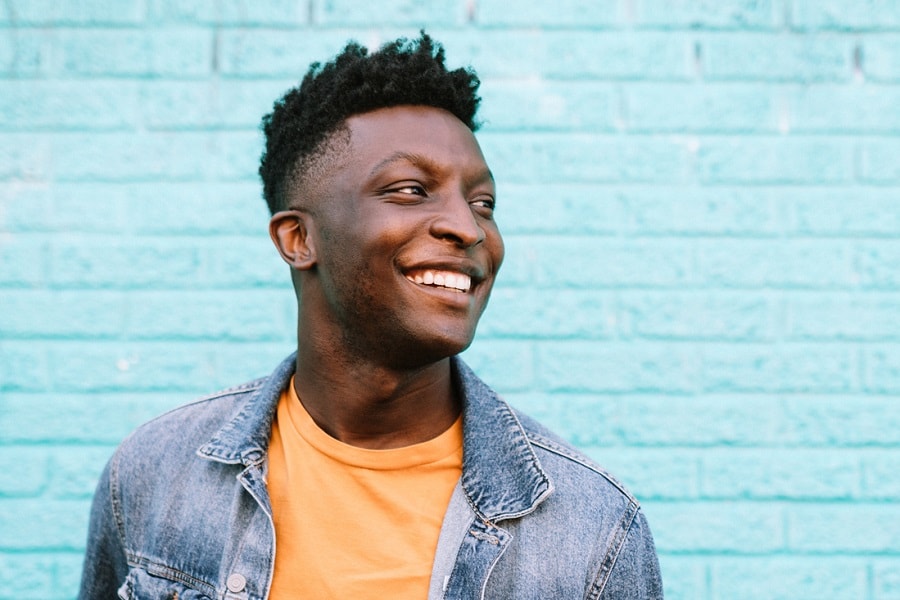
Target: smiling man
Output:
[{"x": 372, "y": 463}]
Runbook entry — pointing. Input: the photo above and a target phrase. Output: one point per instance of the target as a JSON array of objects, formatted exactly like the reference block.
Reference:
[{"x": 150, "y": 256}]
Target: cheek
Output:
[{"x": 494, "y": 244}]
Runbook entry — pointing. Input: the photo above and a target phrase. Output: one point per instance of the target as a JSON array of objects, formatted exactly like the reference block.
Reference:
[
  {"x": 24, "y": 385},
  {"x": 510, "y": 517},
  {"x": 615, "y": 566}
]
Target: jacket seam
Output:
[
  {"x": 115, "y": 503},
  {"x": 609, "y": 561},
  {"x": 163, "y": 571},
  {"x": 560, "y": 450}
]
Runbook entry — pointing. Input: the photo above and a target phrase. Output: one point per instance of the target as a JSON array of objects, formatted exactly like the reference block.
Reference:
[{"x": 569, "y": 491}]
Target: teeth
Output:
[{"x": 454, "y": 281}]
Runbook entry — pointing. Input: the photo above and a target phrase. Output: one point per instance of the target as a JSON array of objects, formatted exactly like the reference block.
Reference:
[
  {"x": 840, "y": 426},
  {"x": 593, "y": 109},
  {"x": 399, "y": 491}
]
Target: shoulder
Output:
[
  {"x": 169, "y": 442},
  {"x": 570, "y": 469}
]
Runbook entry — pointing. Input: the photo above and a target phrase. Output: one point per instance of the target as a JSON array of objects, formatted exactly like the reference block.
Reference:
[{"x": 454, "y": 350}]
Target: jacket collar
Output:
[{"x": 501, "y": 475}]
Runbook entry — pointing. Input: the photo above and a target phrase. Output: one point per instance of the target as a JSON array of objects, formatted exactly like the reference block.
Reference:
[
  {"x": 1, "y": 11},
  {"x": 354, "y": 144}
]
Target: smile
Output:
[{"x": 458, "y": 282}]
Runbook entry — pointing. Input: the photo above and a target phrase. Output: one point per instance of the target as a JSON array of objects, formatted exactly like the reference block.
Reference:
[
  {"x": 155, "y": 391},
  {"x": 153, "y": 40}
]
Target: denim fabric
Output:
[{"x": 530, "y": 517}]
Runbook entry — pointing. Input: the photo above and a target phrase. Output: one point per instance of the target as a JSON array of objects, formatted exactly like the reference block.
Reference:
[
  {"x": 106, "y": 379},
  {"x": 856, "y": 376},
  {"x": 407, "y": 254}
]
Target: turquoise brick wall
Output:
[{"x": 701, "y": 201}]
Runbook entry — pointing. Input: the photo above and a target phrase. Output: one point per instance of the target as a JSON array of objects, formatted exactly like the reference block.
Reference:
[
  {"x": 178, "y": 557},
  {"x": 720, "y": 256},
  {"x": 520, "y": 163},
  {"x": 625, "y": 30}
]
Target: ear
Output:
[{"x": 290, "y": 231}]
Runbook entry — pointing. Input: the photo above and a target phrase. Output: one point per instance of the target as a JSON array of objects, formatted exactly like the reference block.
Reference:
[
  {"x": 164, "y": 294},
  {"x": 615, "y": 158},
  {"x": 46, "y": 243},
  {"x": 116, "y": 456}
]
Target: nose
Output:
[{"x": 457, "y": 223}]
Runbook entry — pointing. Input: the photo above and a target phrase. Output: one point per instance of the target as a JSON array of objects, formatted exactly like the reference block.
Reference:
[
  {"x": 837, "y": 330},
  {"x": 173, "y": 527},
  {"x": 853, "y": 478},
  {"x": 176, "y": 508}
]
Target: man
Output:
[{"x": 372, "y": 463}]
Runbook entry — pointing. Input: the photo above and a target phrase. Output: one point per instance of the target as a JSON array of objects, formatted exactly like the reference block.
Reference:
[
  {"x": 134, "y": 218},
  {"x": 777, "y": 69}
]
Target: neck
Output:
[{"x": 367, "y": 404}]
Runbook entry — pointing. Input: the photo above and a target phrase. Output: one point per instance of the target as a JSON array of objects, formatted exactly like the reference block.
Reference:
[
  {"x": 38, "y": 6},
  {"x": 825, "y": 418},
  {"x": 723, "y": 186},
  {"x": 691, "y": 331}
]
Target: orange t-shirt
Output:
[{"x": 352, "y": 522}]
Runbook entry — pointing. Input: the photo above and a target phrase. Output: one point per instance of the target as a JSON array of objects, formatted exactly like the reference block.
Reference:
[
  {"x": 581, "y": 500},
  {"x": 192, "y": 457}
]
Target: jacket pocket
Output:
[{"x": 140, "y": 585}]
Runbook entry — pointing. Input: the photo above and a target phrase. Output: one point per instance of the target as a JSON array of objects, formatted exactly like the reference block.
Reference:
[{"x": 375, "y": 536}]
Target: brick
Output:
[
  {"x": 845, "y": 316},
  {"x": 24, "y": 207},
  {"x": 249, "y": 52},
  {"x": 220, "y": 104},
  {"x": 881, "y": 57},
  {"x": 652, "y": 473},
  {"x": 112, "y": 262},
  {"x": 48, "y": 525},
  {"x": 695, "y": 316},
  {"x": 389, "y": 12},
  {"x": 714, "y": 108},
  {"x": 775, "y": 57},
  {"x": 844, "y": 528},
  {"x": 559, "y": 208},
  {"x": 684, "y": 577},
  {"x": 246, "y": 262},
  {"x": 40, "y": 105},
  {"x": 585, "y": 263},
  {"x": 573, "y": 314},
  {"x": 802, "y": 368},
  {"x": 192, "y": 208},
  {"x": 775, "y": 161},
  {"x": 865, "y": 212},
  {"x": 94, "y": 208},
  {"x": 579, "y": 366},
  {"x": 882, "y": 366},
  {"x": 86, "y": 12},
  {"x": 68, "y": 573},
  {"x": 518, "y": 265},
  {"x": 28, "y": 576},
  {"x": 280, "y": 13},
  {"x": 23, "y": 260},
  {"x": 210, "y": 315},
  {"x": 787, "y": 578},
  {"x": 880, "y": 163},
  {"x": 234, "y": 156},
  {"x": 656, "y": 420},
  {"x": 507, "y": 366},
  {"x": 578, "y": 13},
  {"x": 23, "y": 53},
  {"x": 120, "y": 157},
  {"x": 618, "y": 55},
  {"x": 27, "y": 469},
  {"x": 23, "y": 367},
  {"x": 543, "y": 105},
  {"x": 838, "y": 421},
  {"x": 149, "y": 53},
  {"x": 886, "y": 575},
  {"x": 24, "y": 158},
  {"x": 845, "y": 15},
  {"x": 844, "y": 109},
  {"x": 74, "y": 471},
  {"x": 91, "y": 418},
  {"x": 572, "y": 54},
  {"x": 583, "y": 158},
  {"x": 130, "y": 366},
  {"x": 733, "y": 212},
  {"x": 773, "y": 474},
  {"x": 879, "y": 264},
  {"x": 776, "y": 263},
  {"x": 236, "y": 363},
  {"x": 879, "y": 475},
  {"x": 33, "y": 314},
  {"x": 717, "y": 527},
  {"x": 708, "y": 14},
  {"x": 186, "y": 367}
]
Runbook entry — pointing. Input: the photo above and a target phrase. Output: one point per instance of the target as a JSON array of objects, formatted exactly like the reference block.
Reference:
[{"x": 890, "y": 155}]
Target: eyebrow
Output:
[{"x": 418, "y": 160}]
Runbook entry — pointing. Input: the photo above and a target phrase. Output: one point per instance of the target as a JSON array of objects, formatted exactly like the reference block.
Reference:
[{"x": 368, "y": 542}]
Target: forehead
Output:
[{"x": 380, "y": 136}]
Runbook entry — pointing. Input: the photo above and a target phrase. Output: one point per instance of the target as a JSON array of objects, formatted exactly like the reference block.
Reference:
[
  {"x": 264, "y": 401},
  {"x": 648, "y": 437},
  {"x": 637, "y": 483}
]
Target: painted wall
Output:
[{"x": 702, "y": 290}]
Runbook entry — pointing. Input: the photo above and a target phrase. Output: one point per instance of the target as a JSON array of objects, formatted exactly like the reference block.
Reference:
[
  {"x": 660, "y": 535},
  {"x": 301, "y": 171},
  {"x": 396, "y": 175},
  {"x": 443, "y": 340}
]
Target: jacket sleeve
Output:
[
  {"x": 105, "y": 565},
  {"x": 635, "y": 575}
]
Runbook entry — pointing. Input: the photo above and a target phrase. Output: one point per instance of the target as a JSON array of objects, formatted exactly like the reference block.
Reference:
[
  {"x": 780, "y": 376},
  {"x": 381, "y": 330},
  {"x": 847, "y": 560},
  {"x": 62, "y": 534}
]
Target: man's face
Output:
[{"x": 407, "y": 247}]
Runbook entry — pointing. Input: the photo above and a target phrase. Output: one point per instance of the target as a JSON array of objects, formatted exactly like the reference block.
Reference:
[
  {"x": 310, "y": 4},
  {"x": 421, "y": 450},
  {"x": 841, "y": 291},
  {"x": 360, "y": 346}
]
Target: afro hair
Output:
[{"x": 402, "y": 72}]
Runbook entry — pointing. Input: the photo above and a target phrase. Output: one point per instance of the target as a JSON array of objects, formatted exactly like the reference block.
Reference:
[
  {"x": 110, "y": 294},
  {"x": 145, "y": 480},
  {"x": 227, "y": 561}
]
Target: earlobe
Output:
[{"x": 290, "y": 231}]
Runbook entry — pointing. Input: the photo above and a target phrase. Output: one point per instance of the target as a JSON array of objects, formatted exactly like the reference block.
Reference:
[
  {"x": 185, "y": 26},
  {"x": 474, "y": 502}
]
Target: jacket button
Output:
[{"x": 236, "y": 583}]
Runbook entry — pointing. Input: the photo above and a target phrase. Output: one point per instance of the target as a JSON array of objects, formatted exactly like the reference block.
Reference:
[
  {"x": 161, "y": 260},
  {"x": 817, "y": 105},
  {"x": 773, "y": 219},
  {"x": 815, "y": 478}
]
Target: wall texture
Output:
[{"x": 701, "y": 202}]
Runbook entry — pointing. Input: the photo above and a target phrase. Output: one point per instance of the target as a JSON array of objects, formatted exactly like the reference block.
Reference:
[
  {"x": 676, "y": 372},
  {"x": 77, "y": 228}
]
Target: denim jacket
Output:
[{"x": 182, "y": 513}]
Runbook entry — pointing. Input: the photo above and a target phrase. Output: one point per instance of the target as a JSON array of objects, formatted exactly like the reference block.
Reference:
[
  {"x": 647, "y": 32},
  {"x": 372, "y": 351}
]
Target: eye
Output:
[
  {"x": 412, "y": 190},
  {"x": 484, "y": 203}
]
